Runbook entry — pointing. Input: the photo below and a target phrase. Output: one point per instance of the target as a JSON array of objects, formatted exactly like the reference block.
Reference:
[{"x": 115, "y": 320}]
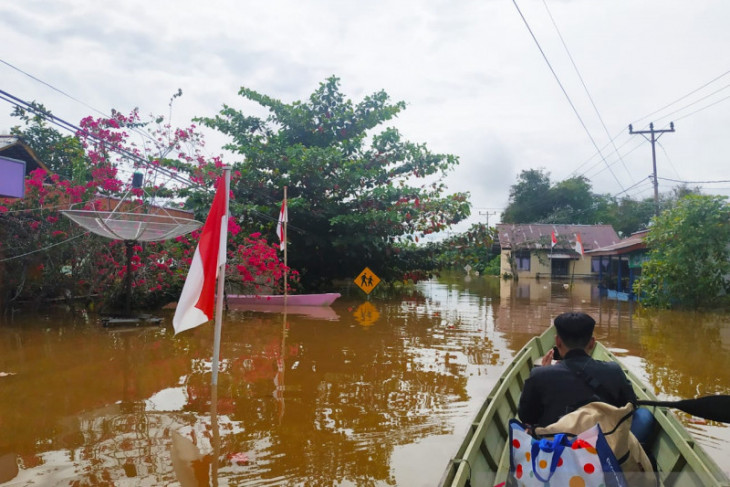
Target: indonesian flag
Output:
[
  {"x": 553, "y": 240},
  {"x": 578, "y": 244},
  {"x": 283, "y": 218},
  {"x": 197, "y": 300}
]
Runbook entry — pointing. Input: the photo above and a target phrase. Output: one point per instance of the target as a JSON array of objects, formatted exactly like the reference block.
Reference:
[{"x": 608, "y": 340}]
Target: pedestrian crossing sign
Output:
[{"x": 367, "y": 280}]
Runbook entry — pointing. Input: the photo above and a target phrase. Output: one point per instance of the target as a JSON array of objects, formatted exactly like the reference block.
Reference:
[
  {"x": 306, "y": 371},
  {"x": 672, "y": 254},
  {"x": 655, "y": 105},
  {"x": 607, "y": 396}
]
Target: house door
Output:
[{"x": 559, "y": 267}]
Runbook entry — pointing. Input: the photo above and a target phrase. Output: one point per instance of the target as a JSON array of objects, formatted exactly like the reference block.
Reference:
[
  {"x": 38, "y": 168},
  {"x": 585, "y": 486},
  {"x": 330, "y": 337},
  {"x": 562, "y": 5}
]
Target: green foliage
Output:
[
  {"x": 494, "y": 266},
  {"x": 351, "y": 190},
  {"x": 527, "y": 197},
  {"x": 473, "y": 248},
  {"x": 62, "y": 154},
  {"x": 47, "y": 257},
  {"x": 689, "y": 257},
  {"x": 534, "y": 199}
]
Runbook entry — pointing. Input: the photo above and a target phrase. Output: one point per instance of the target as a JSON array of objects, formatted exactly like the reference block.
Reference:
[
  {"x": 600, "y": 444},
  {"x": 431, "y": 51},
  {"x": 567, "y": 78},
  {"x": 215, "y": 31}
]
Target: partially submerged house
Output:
[
  {"x": 620, "y": 265},
  {"x": 551, "y": 250}
]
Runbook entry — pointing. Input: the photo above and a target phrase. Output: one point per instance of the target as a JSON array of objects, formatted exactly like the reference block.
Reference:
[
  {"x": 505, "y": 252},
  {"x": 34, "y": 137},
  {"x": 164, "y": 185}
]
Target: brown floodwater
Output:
[{"x": 372, "y": 392}]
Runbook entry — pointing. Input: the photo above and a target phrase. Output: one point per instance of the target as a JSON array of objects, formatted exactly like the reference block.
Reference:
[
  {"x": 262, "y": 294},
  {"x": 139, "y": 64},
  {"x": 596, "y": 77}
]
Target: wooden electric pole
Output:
[{"x": 654, "y": 137}]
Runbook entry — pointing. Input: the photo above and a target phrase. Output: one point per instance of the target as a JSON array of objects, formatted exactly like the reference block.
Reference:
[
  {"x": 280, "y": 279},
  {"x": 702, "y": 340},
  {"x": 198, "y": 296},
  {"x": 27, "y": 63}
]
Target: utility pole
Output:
[
  {"x": 487, "y": 213},
  {"x": 653, "y": 139}
]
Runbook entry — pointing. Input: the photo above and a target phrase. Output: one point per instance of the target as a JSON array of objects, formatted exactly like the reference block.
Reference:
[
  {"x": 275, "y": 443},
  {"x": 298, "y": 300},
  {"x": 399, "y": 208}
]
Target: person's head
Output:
[{"x": 575, "y": 330}]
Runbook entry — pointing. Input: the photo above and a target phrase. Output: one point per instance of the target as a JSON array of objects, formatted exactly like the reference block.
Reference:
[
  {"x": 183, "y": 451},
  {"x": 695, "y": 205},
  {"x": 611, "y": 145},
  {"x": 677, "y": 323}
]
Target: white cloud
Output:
[{"x": 475, "y": 83}]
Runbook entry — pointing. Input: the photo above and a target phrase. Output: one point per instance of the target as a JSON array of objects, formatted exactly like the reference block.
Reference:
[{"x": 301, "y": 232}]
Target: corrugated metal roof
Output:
[
  {"x": 538, "y": 235},
  {"x": 631, "y": 243}
]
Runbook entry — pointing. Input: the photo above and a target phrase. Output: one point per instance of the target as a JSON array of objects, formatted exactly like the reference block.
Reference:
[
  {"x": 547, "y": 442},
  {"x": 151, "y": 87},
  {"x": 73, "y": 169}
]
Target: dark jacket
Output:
[{"x": 553, "y": 391}]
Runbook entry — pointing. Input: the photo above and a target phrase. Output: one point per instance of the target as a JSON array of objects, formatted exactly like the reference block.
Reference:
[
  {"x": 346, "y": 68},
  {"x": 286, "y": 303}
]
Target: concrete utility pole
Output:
[
  {"x": 487, "y": 213},
  {"x": 653, "y": 139}
]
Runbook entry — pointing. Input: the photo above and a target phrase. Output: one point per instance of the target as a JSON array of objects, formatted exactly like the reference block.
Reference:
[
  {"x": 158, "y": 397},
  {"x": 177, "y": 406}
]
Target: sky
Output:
[{"x": 506, "y": 86}]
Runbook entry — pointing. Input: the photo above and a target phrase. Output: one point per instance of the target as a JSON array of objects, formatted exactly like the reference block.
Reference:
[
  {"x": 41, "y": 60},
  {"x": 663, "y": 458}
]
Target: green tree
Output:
[
  {"x": 528, "y": 197},
  {"x": 570, "y": 201},
  {"x": 62, "y": 154},
  {"x": 352, "y": 192},
  {"x": 689, "y": 255},
  {"x": 473, "y": 247}
]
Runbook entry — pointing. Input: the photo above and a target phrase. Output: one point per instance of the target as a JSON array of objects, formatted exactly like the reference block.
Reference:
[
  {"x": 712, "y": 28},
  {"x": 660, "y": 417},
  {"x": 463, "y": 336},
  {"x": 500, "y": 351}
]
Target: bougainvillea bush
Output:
[{"x": 46, "y": 257}]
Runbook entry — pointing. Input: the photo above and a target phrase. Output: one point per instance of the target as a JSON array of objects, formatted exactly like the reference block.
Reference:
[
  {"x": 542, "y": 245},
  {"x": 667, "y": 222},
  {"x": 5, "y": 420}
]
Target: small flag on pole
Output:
[
  {"x": 578, "y": 244},
  {"x": 553, "y": 240},
  {"x": 197, "y": 300},
  {"x": 283, "y": 218}
]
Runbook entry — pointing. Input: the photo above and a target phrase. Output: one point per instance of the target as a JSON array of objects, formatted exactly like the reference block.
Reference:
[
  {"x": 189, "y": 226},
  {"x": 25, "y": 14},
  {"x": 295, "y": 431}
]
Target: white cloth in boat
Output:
[{"x": 621, "y": 440}]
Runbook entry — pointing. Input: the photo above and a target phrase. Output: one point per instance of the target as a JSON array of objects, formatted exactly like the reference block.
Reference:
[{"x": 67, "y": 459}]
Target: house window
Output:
[
  {"x": 523, "y": 261},
  {"x": 597, "y": 263}
]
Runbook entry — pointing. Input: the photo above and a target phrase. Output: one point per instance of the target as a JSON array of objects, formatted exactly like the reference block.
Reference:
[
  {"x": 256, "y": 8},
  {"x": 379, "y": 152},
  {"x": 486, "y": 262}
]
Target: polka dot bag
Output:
[{"x": 564, "y": 460}]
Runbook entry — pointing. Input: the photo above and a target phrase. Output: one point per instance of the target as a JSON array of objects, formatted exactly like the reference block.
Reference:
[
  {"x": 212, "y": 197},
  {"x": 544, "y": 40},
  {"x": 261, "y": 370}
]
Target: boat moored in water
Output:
[{"x": 322, "y": 299}]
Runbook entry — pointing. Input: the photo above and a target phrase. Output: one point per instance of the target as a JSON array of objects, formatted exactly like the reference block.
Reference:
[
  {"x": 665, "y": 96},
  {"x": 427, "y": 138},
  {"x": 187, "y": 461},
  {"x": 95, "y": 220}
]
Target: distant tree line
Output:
[{"x": 534, "y": 198}]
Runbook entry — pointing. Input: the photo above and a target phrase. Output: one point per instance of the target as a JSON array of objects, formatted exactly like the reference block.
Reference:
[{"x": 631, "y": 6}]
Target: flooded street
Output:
[{"x": 365, "y": 393}]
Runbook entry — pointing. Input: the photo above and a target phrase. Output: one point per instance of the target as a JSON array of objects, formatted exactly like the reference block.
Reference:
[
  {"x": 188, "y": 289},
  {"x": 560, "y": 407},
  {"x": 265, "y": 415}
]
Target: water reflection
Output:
[{"x": 379, "y": 395}]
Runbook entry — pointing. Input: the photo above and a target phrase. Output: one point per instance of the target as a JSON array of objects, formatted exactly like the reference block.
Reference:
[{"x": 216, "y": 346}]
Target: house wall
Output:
[{"x": 540, "y": 266}]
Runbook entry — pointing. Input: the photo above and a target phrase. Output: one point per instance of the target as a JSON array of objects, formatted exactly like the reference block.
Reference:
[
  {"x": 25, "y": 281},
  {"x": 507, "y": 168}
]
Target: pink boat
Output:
[{"x": 324, "y": 299}]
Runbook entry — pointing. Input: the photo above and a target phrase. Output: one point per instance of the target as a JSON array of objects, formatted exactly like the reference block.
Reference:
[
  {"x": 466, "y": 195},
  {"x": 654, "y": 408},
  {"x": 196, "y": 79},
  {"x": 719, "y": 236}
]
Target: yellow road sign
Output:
[
  {"x": 367, "y": 280},
  {"x": 366, "y": 314}
]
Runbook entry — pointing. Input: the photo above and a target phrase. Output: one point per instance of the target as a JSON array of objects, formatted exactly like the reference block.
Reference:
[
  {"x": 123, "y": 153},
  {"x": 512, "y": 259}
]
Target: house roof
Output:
[
  {"x": 15, "y": 148},
  {"x": 631, "y": 243},
  {"x": 538, "y": 236}
]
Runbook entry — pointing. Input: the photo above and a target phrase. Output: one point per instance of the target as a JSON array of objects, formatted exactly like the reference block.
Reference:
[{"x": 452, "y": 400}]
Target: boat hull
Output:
[
  {"x": 324, "y": 299},
  {"x": 483, "y": 456}
]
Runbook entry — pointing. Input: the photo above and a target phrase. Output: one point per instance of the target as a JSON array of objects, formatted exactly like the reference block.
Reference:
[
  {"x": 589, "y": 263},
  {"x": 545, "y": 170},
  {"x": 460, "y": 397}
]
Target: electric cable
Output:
[
  {"x": 585, "y": 87},
  {"x": 575, "y": 110}
]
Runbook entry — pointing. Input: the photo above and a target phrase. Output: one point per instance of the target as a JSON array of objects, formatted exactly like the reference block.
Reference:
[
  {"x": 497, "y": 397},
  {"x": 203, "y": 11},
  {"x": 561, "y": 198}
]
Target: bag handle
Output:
[{"x": 555, "y": 447}]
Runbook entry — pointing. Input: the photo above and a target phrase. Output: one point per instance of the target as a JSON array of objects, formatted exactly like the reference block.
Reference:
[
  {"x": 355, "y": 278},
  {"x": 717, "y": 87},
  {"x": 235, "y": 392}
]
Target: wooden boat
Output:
[
  {"x": 483, "y": 457},
  {"x": 323, "y": 299}
]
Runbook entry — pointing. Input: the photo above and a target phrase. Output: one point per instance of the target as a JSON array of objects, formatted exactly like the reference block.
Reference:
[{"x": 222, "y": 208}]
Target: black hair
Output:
[{"x": 575, "y": 329}]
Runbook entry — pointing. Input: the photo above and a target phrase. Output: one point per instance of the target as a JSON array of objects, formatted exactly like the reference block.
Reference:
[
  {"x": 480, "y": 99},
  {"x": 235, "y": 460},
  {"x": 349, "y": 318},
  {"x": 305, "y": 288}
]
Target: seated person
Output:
[{"x": 552, "y": 391}]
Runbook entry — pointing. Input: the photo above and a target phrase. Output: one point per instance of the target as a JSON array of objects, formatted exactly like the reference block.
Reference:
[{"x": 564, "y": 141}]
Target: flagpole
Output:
[
  {"x": 221, "y": 284},
  {"x": 286, "y": 268}
]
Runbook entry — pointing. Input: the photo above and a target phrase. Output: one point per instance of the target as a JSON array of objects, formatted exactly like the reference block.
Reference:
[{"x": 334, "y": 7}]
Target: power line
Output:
[
  {"x": 640, "y": 181},
  {"x": 717, "y": 181},
  {"x": 682, "y": 97},
  {"x": 585, "y": 87},
  {"x": 695, "y": 102},
  {"x": 44, "y": 248},
  {"x": 662, "y": 108},
  {"x": 544, "y": 56},
  {"x": 4, "y": 95},
  {"x": 51, "y": 86},
  {"x": 704, "y": 108}
]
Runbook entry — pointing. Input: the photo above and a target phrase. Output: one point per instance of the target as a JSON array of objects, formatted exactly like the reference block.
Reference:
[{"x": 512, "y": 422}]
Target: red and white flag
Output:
[
  {"x": 197, "y": 300},
  {"x": 283, "y": 218},
  {"x": 553, "y": 240},
  {"x": 578, "y": 244}
]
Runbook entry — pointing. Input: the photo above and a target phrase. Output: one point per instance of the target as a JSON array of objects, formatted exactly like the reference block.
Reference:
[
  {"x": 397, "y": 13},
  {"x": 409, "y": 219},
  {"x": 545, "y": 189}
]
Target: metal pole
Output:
[
  {"x": 128, "y": 279},
  {"x": 286, "y": 246}
]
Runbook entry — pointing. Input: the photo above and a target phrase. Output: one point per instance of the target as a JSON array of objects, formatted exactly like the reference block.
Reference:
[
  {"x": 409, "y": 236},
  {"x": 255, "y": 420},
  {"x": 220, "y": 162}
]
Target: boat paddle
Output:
[{"x": 714, "y": 408}]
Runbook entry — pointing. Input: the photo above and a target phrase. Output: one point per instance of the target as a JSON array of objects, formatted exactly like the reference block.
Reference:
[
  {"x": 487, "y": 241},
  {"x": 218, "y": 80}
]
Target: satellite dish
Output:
[
  {"x": 132, "y": 228},
  {"x": 139, "y": 227}
]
